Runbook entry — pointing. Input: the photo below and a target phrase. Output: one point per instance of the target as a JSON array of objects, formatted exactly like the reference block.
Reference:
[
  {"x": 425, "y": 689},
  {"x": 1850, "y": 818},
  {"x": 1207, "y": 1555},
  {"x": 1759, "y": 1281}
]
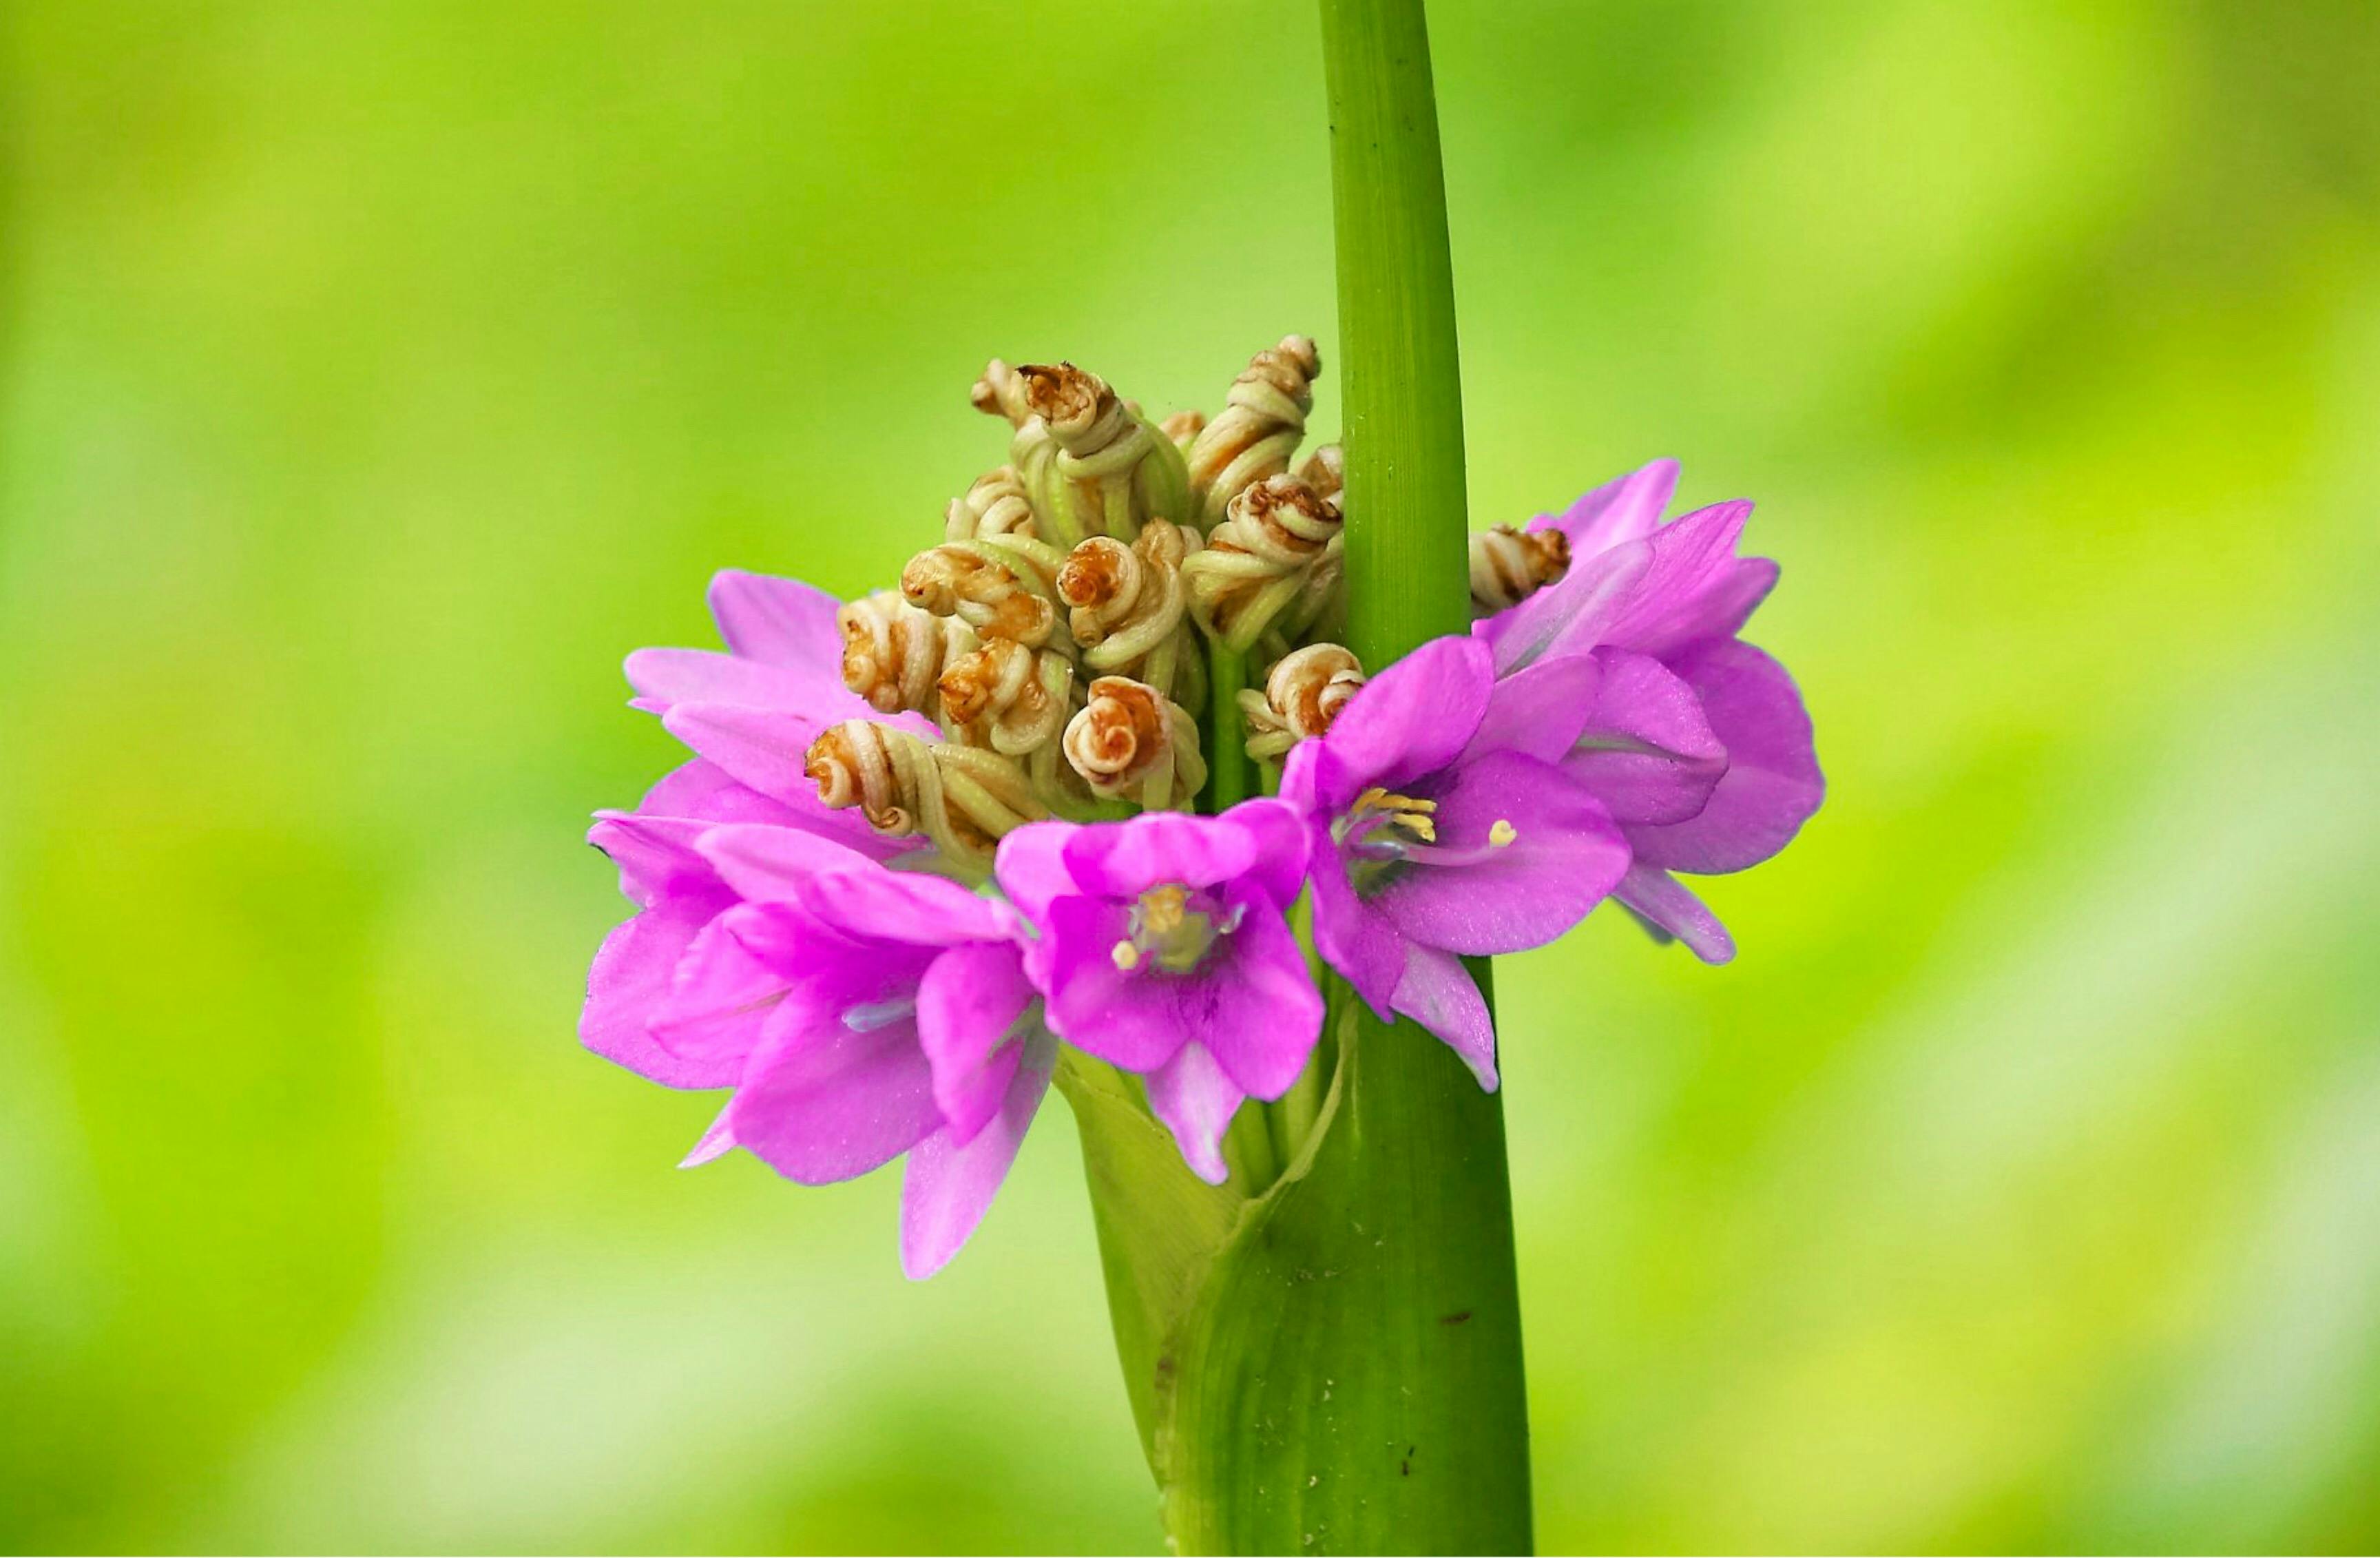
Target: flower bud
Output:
[
  {"x": 996, "y": 506},
  {"x": 964, "y": 799},
  {"x": 1263, "y": 556},
  {"x": 1015, "y": 698},
  {"x": 892, "y": 652},
  {"x": 1303, "y": 694},
  {"x": 999, "y": 589},
  {"x": 1263, "y": 417},
  {"x": 1129, "y": 738},
  {"x": 1183, "y": 428},
  {"x": 1001, "y": 392},
  {"x": 1325, "y": 471},
  {"x": 1508, "y": 564}
]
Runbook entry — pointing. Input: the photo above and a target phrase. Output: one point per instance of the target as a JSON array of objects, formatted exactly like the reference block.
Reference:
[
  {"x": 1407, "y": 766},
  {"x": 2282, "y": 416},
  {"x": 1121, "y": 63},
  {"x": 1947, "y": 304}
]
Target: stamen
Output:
[
  {"x": 1125, "y": 956},
  {"x": 1503, "y": 832},
  {"x": 871, "y": 1015}
]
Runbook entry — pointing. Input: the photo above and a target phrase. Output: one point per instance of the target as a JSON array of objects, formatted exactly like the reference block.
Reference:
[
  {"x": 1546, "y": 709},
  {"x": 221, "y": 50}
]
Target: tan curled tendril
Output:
[
  {"x": 1325, "y": 471},
  {"x": 1113, "y": 472},
  {"x": 965, "y": 799},
  {"x": 1262, "y": 558},
  {"x": 996, "y": 506},
  {"x": 1183, "y": 428},
  {"x": 1002, "y": 588},
  {"x": 999, "y": 392},
  {"x": 1016, "y": 699},
  {"x": 1303, "y": 693},
  {"x": 893, "y": 653},
  {"x": 1509, "y": 565},
  {"x": 1130, "y": 740},
  {"x": 1126, "y": 605},
  {"x": 1262, "y": 420}
]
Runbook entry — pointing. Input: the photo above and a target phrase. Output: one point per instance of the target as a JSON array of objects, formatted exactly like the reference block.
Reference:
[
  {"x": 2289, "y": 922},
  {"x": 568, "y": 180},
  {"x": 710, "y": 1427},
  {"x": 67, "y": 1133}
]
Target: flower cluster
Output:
[{"x": 936, "y": 841}]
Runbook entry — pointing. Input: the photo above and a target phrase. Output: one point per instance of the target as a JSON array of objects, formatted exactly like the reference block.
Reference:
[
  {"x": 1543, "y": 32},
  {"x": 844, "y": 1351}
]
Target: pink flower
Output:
[
  {"x": 1697, "y": 743},
  {"x": 1441, "y": 827},
  {"x": 1163, "y": 949}
]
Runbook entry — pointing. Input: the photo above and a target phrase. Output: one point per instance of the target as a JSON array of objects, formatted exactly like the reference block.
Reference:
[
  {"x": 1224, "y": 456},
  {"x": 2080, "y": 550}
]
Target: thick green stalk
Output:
[
  {"x": 1352, "y": 1377},
  {"x": 1325, "y": 1357}
]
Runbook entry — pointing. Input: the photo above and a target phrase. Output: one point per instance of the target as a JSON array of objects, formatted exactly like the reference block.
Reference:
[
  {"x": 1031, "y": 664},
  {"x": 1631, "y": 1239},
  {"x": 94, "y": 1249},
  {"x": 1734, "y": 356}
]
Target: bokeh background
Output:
[{"x": 373, "y": 377}]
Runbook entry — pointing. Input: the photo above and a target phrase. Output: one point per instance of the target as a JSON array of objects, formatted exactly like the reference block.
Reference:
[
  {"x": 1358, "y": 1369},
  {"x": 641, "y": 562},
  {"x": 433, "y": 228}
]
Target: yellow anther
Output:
[
  {"x": 1502, "y": 833},
  {"x": 1161, "y": 910},
  {"x": 1418, "y": 823},
  {"x": 1126, "y": 957},
  {"x": 1379, "y": 799}
]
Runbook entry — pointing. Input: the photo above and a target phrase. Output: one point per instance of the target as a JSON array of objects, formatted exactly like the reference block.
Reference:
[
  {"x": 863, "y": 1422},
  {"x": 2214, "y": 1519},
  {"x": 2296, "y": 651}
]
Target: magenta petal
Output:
[
  {"x": 1625, "y": 509},
  {"x": 1415, "y": 716},
  {"x": 1354, "y": 936},
  {"x": 1031, "y": 867},
  {"x": 1128, "y": 1019},
  {"x": 1192, "y": 1098},
  {"x": 664, "y": 677},
  {"x": 1663, "y": 903},
  {"x": 719, "y": 997},
  {"x": 766, "y": 748},
  {"x": 1255, "y": 1009},
  {"x": 627, "y": 983},
  {"x": 1278, "y": 831},
  {"x": 778, "y": 621},
  {"x": 905, "y": 907},
  {"x": 697, "y": 788},
  {"x": 967, "y": 1004},
  {"x": 1678, "y": 563},
  {"x": 821, "y": 1102},
  {"x": 1772, "y": 785},
  {"x": 1541, "y": 709},
  {"x": 1564, "y": 856},
  {"x": 765, "y": 864},
  {"x": 656, "y": 855},
  {"x": 1438, "y": 991},
  {"x": 1718, "y": 610},
  {"x": 950, "y": 1185},
  {"x": 1647, "y": 752},
  {"x": 717, "y": 1142},
  {"x": 1123, "y": 859}
]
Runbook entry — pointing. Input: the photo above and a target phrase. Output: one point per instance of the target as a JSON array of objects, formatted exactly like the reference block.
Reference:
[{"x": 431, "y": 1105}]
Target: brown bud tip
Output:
[
  {"x": 1064, "y": 396},
  {"x": 1121, "y": 734},
  {"x": 1277, "y": 497},
  {"x": 833, "y": 767},
  {"x": 1325, "y": 471},
  {"x": 1309, "y": 687},
  {"x": 1094, "y": 572}
]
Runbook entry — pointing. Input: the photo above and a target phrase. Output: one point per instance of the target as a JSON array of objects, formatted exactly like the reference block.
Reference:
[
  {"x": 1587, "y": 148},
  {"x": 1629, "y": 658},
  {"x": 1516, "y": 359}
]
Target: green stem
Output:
[
  {"x": 1227, "y": 739},
  {"x": 1353, "y": 1376}
]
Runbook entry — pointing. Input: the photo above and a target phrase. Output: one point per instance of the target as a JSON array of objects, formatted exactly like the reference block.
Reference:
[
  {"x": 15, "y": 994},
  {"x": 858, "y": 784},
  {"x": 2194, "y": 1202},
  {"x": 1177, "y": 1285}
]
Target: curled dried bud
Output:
[
  {"x": 1325, "y": 471},
  {"x": 1127, "y": 737},
  {"x": 1001, "y": 392},
  {"x": 996, "y": 506},
  {"x": 892, "y": 652},
  {"x": 1124, "y": 602},
  {"x": 1184, "y": 428},
  {"x": 1017, "y": 697},
  {"x": 999, "y": 589},
  {"x": 962, "y": 799},
  {"x": 1263, "y": 556},
  {"x": 1263, "y": 417},
  {"x": 1113, "y": 472},
  {"x": 1509, "y": 565}
]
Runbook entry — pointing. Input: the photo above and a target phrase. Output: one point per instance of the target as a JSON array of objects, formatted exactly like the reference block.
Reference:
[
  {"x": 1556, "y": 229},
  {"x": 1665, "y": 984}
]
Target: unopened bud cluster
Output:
[{"x": 1060, "y": 634}]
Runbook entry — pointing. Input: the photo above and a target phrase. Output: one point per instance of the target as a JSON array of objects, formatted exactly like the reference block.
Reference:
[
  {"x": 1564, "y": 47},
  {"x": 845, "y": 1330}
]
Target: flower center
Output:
[
  {"x": 1172, "y": 927},
  {"x": 1384, "y": 833}
]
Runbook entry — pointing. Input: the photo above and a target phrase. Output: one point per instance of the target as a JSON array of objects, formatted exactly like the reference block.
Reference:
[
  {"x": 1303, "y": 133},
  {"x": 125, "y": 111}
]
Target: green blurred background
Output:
[{"x": 373, "y": 377}]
